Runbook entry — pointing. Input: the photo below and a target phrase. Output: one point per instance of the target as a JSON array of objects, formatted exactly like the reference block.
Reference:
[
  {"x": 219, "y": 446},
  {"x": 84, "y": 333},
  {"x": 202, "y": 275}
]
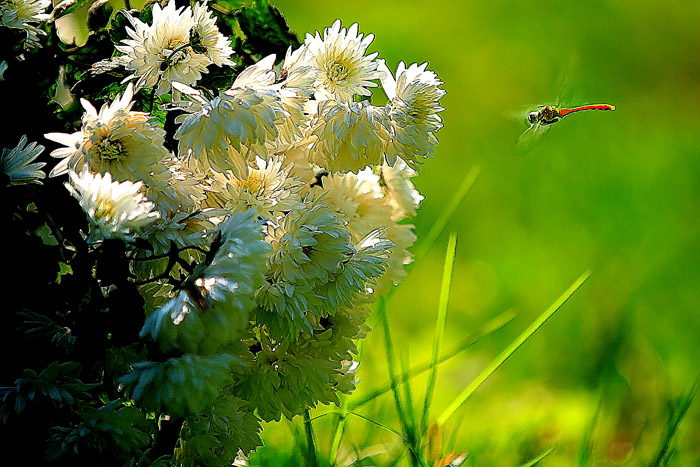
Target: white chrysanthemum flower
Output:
[
  {"x": 290, "y": 308},
  {"x": 292, "y": 129},
  {"x": 284, "y": 307},
  {"x": 201, "y": 132},
  {"x": 359, "y": 200},
  {"x": 399, "y": 190},
  {"x": 115, "y": 209},
  {"x": 299, "y": 71},
  {"x": 297, "y": 159},
  {"x": 350, "y": 136},
  {"x": 163, "y": 52},
  {"x": 184, "y": 229},
  {"x": 178, "y": 190},
  {"x": 269, "y": 190},
  {"x": 343, "y": 68},
  {"x": 19, "y": 14},
  {"x": 255, "y": 104},
  {"x": 205, "y": 37},
  {"x": 309, "y": 246},
  {"x": 16, "y": 163},
  {"x": 360, "y": 272},
  {"x": 415, "y": 103},
  {"x": 189, "y": 180},
  {"x": 296, "y": 87},
  {"x": 125, "y": 143},
  {"x": 242, "y": 118}
]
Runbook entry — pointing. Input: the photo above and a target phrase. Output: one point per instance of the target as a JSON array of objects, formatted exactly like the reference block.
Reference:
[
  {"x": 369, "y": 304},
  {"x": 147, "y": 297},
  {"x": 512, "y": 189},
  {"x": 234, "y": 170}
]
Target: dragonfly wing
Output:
[{"x": 530, "y": 137}]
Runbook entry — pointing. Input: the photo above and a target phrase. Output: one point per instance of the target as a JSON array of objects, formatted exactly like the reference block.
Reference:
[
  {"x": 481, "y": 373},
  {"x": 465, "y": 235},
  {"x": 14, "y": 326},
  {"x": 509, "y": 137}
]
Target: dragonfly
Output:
[{"x": 540, "y": 120}]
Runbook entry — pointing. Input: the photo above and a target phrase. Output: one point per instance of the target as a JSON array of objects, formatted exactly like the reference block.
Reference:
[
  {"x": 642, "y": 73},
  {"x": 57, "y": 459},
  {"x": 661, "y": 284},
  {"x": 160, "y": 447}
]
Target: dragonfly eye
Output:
[{"x": 532, "y": 117}]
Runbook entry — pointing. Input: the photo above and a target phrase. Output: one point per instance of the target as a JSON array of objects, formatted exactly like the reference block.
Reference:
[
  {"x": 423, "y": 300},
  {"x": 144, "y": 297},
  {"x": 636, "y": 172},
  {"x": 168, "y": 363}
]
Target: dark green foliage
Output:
[
  {"x": 214, "y": 436},
  {"x": 112, "y": 429},
  {"x": 266, "y": 32},
  {"x": 55, "y": 383},
  {"x": 71, "y": 326}
]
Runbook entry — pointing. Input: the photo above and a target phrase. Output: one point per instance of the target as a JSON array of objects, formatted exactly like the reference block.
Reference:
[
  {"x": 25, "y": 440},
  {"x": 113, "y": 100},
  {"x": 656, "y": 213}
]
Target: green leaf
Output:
[
  {"x": 66, "y": 7},
  {"x": 20, "y": 403},
  {"x": 510, "y": 350},
  {"x": 50, "y": 372},
  {"x": 266, "y": 31},
  {"x": 55, "y": 394},
  {"x": 64, "y": 269}
]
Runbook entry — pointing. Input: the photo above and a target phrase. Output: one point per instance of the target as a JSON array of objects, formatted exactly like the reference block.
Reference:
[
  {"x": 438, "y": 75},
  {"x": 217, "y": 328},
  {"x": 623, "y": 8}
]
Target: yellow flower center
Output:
[
  {"x": 105, "y": 211},
  {"x": 109, "y": 150},
  {"x": 252, "y": 185},
  {"x": 337, "y": 70}
]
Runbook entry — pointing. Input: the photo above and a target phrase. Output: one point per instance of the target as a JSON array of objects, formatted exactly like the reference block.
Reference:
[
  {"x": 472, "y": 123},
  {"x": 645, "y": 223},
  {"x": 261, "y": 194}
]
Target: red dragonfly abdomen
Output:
[{"x": 565, "y": 112}]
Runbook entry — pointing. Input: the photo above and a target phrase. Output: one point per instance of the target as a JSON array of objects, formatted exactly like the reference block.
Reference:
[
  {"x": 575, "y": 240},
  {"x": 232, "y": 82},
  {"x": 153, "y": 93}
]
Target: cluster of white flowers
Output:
[
  {"x": 322, "y": 174},
  {"x": 284, "y": 142}
]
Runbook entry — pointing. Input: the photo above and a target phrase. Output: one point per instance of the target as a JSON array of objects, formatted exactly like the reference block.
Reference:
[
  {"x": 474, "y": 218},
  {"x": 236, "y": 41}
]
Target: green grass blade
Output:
[
  {"x": 510, "y": 350},
  {"x": 439, "y": 326},
  {"x": 406, "y": 418},
  {"x": 393, "y": 377},
  {"x": 492, "y": 326},
  {"x": 342, "y": 418},
  {"x": 440, "y": 224},
  {"x": 586, "y": 449},
  {"x": 447, "y": 213},
  {"x": 538, "y": 459},
  {"x": 676, "y": 416},
  {"x": 412, "y": 437},
  {"x": 398, "y": 434}
]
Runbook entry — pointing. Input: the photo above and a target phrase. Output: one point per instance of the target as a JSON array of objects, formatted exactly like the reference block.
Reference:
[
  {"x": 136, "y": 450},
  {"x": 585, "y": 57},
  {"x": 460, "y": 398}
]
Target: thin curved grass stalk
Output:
[
  {"x": 510, "y": 350},
  {"x": 677, "y": 413},
  {"x": 454, "y": 203},
  {"x": 342, "y": 418},
  {"x": 393, "y": 377},
  {"x": 586, "y": 448},
  {"x": 439, "y": 326},
  {"x": 538, "y": 459},
  {"x": 404, "y": 409},
  {"x": 411, "y": 424},
  {"x": 403, "y": 438},
  {"x": 439, "y": 225},
  {"x": 338, "y": 432}
]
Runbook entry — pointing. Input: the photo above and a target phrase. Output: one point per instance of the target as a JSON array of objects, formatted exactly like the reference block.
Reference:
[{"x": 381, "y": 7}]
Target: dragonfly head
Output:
[{"x": 532, "y": 117}]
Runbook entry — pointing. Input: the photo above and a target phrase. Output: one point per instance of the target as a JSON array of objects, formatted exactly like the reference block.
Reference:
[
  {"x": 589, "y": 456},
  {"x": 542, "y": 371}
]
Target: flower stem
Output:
[
  {"x": 164, "y": 66},
  {"x": 310, "y": 439}
]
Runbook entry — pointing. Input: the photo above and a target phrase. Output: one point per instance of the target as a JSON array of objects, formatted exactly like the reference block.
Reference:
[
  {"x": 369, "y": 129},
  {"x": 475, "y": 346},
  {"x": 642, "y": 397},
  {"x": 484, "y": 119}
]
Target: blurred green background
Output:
[{"x": 614, "y": 192}]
